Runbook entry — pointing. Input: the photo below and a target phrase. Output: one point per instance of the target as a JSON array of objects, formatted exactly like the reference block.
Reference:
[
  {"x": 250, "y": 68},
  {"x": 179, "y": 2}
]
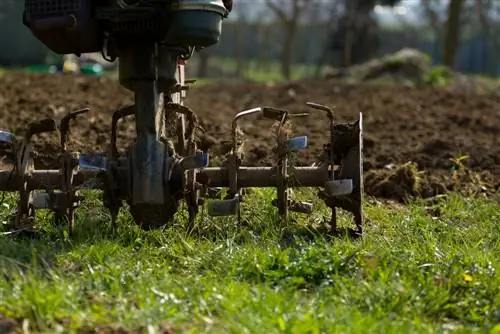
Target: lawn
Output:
[
  {"x": 427, "y": 267},
  {"x": 255, "y": 71}
]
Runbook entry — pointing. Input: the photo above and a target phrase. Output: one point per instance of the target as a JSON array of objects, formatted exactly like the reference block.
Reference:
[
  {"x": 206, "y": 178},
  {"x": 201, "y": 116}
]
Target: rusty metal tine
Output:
[
  {"x": 299, "y": 115},
  {"x": 282, "y": 184},
  {"x": 64, "y": 124},
  {"x": 243, "y": 114},
  {"x": 117, "y": 115},
  {"x": 324, "y": 108},
  {"x": 77, "y": 112},
  {"x": 330, "y": 115},
  {"x": 238, "y": 117},
  {"x": 273, "y": 113},
  {"x": 189, "y": 113},
  {"x": 283, "y": 120},
  {"x": 182, "y": 109},
  {"x": 37, "y": 127}
]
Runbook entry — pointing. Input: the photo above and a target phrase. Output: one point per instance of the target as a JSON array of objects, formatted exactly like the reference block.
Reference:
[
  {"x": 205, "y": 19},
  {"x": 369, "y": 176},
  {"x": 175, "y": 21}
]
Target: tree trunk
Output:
[
  {"x": 287, "y": 52},
  {"x": 452, "y": 33},
  {"x": 351, "y": 6}
]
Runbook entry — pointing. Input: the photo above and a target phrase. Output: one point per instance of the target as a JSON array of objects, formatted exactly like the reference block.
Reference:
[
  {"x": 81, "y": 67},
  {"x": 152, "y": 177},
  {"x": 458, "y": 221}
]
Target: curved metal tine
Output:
[
  {"x": 358, "y": 215},
  {"x": 330, "y": 115},
  {"x": 181, "y": 109},
  {"x": 329, "y": 111},
  {"x": 304, "y": 114},
  {"x": 64, "y": 124},
  {"x": 274, "y": 113},
  {"x": 38, "y": 127},
  {"x": 231, "y": 206},
  {"x": 281, "y": 185},
  {"x": 117, "y": 115},
  {"x": 34, "y": 128},
  {"x": 299, "y": 142},
  {"x": 188, "y": 112},
  {"x": 238, "y": 117}
]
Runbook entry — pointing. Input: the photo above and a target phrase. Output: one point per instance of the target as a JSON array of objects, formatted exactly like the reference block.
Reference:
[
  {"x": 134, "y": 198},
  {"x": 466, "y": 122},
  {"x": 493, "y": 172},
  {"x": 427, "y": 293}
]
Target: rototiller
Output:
[{"x": 152, "y": 39}]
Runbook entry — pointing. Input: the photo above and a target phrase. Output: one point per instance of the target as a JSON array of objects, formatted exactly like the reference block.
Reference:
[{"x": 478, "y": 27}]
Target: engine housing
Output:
[{"x": 83, "y": 26}]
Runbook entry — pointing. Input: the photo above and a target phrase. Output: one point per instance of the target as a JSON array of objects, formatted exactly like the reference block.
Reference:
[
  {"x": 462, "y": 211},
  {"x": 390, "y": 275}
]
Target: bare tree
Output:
[
  {"x": 332, "y": 10},
  {"x": 265, "y": 39},
  {"x": 452, "y": 32},
  {"x": 431, "y": 13},
  {"x": 288, "y": 13}
]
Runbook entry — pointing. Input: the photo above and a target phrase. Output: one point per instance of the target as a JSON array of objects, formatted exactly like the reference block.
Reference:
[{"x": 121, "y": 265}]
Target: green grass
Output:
[
  {"x": 414, "y": 272},
  {"x": 255, "y": 71}
]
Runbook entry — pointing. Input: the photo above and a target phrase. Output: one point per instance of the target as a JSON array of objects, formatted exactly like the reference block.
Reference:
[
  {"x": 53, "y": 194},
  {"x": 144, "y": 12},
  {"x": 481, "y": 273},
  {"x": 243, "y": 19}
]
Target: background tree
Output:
[
  {"x": 452, "y": 32},
  {"x": 288, "y": 13},
  {"x": 356, "y": 34}
]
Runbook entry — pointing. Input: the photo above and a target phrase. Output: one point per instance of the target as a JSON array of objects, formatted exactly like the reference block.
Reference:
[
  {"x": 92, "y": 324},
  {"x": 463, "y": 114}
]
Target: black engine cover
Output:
[{"x": 64, "y": 26}]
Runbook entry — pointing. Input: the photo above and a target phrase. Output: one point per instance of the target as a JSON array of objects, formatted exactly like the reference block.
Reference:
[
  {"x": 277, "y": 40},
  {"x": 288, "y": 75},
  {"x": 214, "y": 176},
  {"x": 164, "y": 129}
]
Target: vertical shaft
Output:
[
  {"x": 138, "y": 73},
  {"x": 146, "y": 101}
]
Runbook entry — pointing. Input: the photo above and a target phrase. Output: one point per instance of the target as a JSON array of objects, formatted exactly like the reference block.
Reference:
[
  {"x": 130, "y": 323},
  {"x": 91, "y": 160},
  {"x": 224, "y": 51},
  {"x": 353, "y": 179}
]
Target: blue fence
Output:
[{"x": 477, "y": 55}]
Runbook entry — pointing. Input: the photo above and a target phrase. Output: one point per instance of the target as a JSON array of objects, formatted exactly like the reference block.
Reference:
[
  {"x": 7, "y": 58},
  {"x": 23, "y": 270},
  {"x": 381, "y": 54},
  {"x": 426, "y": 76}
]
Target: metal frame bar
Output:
[{"x": 248, "y": 177}]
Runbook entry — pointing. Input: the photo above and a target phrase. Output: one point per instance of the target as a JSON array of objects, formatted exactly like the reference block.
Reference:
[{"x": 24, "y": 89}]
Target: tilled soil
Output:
[{"x": 426, "y": 126}]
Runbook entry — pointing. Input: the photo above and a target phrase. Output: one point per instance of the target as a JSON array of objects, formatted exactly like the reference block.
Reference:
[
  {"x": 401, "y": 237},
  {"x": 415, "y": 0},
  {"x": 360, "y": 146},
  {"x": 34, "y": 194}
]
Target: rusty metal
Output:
[
  {"x": 346, "y": 192},
  {"x": 69, "y": 199},
  {"x": 23, "y": 167},
  {"x": 186, "y": 175}
]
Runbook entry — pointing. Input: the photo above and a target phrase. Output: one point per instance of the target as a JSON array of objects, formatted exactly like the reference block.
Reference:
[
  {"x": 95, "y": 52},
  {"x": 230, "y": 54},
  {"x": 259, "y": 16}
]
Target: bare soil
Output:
[{"x": 426, "y": 126}]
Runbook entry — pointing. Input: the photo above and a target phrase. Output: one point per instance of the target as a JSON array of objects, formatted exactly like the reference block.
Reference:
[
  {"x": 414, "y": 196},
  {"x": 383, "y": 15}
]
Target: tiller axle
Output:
[{"x": 157, "y": 172}]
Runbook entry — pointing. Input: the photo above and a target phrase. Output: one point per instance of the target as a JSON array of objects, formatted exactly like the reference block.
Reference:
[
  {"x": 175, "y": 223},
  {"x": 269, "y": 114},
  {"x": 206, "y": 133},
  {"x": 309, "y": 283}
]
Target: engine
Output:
[{"x": 85, "y": 26}]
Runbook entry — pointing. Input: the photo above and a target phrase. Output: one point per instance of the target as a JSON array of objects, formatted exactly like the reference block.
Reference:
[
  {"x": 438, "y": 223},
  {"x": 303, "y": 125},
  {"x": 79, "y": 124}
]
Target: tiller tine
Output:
[
  {"x": 38, "y": 127},
  {"x": 344, "y": 187},
  {"x": 65, "y": 200},
  {"x": 194, "y": 161},
  {"x": 115, "y": 187},
  {"x": 24, "y": 166},
  {"x": 230, "y": 206},
  {"x": 286, "y": 146}
]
